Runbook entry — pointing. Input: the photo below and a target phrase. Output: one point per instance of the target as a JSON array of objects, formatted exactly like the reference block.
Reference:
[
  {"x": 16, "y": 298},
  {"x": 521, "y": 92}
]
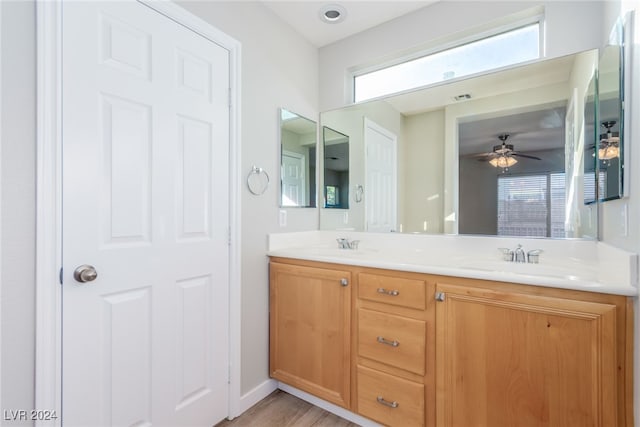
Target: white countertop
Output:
[{"x": 568, "y": 264}]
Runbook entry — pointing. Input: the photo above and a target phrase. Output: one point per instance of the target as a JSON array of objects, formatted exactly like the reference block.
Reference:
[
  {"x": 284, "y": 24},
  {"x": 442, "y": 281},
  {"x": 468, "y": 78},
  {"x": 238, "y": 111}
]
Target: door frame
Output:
[{"x": 48, "y": 384}]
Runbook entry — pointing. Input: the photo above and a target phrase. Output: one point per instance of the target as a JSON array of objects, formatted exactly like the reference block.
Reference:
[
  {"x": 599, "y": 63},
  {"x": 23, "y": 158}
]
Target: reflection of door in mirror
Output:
[
  {"x": 336, "y": 169},
  {"x": 381, "y": 171},
  {"x": 293, "y": 179},
  {"x": 298, "y": 142}
]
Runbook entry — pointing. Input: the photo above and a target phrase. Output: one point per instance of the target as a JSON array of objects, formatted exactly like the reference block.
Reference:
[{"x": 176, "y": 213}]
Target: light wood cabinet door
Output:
[
  {"x": 507, "y": 359},
  {"x": 310, "y": 315}
]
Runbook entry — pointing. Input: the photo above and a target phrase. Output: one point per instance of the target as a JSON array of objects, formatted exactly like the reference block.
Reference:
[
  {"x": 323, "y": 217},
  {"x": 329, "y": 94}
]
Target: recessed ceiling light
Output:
[{"x": 332, "y": 13}]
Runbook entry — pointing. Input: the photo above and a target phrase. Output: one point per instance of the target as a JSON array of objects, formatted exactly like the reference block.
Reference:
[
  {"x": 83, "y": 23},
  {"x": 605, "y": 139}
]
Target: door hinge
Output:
[
  {"x": 229, "y": 236},
  {"x": 60, "y": 275},
  {"x": 229, "y": 100},
  {"x": 229, "y": 375},
  {"x": 440, "y": 296}
]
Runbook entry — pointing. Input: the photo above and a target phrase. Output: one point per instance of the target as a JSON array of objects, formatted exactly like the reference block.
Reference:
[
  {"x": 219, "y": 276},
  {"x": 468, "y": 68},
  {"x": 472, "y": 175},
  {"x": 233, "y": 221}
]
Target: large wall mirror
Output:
[
  {"x": 498, "y": 154},
  {"x": 298, "y": 146}
]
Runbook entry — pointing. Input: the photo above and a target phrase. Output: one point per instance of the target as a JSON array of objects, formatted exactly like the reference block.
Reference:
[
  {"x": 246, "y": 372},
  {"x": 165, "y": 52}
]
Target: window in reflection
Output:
[
  {"x": 333, "y": 195},
  {"x": 531, "y": 205}
]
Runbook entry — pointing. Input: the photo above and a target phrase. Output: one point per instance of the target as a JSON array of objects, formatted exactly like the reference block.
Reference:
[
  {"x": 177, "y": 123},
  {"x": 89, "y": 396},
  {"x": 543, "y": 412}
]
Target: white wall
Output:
[
  {"x": 450, "y": 20},
  {"x": 279, "y": 69},
  {"x": 17, "y": 202},
  {"x": 422, "y": 167}
]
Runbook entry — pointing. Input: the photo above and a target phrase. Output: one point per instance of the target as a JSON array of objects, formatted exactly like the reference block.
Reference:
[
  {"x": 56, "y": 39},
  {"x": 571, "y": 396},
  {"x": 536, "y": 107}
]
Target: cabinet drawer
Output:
[
  {"x": 394, "y": 340},
  {"x": 390, "y": 400},
  {"x": 392, "y": 290}
]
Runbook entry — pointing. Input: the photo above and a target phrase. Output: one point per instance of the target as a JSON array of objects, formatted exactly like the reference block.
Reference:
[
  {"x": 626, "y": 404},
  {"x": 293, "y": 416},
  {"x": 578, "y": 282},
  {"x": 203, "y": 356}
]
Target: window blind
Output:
[{"x": 531, "y": 205}]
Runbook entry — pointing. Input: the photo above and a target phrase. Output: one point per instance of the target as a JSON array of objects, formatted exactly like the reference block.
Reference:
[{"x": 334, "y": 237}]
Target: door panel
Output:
[
  {"x": 145, "y": 201},
  {"x": 508, "y": 359},
  {"x": 293, "y": 178},
  {"x": 381, "y": 178}
]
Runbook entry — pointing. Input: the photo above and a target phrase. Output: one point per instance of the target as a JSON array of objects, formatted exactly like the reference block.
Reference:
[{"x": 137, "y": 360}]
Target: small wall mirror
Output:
[
  {"x": 298, "y": 145},
  {"x": 336, "y": 169},
  {"x": 608, "y": 149}
]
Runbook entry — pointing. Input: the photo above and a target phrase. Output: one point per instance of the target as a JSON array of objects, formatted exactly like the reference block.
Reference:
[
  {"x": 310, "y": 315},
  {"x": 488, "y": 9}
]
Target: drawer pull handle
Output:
[
  {"x": 393, "y": 293},
  {"x": 393, "y": 404},
  {"x": 393, "y": 343}
]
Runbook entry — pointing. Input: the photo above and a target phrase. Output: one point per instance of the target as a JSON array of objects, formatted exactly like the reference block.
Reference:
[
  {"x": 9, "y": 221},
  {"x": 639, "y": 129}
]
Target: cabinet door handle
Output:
[
  {"x": 393, "y": 293},
  {"x": 344, "y": 282},
  {"x": 393, "y": 404},
  {"x": 393, "y": 343}
]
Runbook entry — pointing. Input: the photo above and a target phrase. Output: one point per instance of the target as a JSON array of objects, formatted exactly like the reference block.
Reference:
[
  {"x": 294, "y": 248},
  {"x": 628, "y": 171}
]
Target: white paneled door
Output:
[
  {"x": 381, "y": 172},
  {"x": 293, "y": 179},
  {"x": 146, "y": 206}
]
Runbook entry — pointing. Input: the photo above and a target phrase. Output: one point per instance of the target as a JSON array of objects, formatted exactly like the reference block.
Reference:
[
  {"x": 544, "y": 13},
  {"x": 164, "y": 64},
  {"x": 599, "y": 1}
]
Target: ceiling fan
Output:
[
  {"x": 503, "y": 155},
  {"x": 609, "y": 142}
]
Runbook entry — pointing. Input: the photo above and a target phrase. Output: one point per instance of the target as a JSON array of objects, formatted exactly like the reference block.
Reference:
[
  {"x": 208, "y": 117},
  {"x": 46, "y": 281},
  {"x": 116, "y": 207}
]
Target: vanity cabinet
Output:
[
  {"x": 412, "y": 349},
  {"x": 516, "y": 355},
  {"x": 310, "y": 330}
]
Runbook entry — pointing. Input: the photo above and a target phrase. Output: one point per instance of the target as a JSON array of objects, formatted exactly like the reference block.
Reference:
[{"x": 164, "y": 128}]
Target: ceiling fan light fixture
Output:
[
  {"x": 609, "y": 152},
  {"x": 332, "y": 13},
  {"x": 503, "y": 162},
  {"x": 609, "y": 142}
]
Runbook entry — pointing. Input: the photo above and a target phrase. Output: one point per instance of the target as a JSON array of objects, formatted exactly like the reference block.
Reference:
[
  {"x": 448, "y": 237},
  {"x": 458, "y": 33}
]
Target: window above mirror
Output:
[{"x": 500, "y": 49}]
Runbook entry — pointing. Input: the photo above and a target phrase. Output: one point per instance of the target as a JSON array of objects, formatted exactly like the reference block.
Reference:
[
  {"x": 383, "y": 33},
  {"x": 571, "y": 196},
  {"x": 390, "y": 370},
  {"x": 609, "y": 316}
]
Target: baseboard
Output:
[
  {"x": 255, "y": 395},
  {"x": 329, "y": 407}
]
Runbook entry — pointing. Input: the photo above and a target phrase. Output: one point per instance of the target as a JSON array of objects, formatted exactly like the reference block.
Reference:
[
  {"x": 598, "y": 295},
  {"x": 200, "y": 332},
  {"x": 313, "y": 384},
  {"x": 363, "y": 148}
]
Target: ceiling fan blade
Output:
[
  {"x": 483, "y": 155},
  {"x": 525, "y": 155}
]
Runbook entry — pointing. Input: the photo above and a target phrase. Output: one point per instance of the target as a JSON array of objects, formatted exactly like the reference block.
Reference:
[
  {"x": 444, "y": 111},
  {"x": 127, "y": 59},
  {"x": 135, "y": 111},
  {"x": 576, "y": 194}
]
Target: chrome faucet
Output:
[
  {"x": 344, "y": 243},
  {"x": 519, "y": 255}
]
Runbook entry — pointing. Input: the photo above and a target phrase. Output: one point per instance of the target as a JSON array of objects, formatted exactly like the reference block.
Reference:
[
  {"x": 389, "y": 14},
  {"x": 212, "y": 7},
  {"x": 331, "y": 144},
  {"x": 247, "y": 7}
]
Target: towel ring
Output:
[{"x": 257, "y": 180}]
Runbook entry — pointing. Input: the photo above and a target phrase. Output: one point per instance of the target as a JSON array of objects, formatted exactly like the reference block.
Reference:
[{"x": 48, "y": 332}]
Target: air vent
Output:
[{"x": 462, "y": 97}]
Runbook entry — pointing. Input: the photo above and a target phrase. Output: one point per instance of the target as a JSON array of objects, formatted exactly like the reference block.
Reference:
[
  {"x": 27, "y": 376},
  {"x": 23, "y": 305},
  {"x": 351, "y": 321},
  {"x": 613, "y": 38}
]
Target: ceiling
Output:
[
  {"x": 304, "y": 16},
  {"x": 531, "y": 131}
]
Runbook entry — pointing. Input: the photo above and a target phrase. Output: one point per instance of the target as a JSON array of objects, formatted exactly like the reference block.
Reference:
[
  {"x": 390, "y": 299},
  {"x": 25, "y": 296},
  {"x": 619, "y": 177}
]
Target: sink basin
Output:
[
  {"x": 337, "y": 252},
  {"x": 544, "y": 270}
]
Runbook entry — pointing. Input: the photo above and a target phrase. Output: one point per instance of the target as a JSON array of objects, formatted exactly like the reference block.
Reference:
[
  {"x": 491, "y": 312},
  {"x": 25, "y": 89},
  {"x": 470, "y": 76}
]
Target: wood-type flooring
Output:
[{"x": 281, "y": 409}]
